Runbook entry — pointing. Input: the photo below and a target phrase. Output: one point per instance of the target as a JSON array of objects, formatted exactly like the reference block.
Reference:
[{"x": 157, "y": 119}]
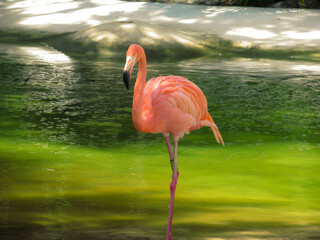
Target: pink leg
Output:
[
  {"x": 167, "y": 139},
  {"x": 173, "y": 185}
]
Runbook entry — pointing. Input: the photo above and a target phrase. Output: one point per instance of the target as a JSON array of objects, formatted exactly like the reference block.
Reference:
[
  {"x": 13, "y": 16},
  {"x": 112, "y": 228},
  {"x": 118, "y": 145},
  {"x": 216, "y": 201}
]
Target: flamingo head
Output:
[{"x": 134, "y": 53}]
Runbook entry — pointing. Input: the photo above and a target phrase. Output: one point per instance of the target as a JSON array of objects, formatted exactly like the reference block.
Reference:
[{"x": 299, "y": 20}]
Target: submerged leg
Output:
[
  {"x": 173, "y": 185},
  {"x": 167, "y": 139}
]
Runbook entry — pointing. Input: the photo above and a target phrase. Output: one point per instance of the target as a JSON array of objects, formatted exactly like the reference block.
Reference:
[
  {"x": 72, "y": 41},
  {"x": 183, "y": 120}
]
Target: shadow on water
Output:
[{"x": 73, "y": 166}]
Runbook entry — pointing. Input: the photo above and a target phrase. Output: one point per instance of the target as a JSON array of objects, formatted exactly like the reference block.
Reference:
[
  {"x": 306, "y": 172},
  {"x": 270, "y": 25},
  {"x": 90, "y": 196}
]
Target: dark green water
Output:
[{"x": 72, "y": 166}]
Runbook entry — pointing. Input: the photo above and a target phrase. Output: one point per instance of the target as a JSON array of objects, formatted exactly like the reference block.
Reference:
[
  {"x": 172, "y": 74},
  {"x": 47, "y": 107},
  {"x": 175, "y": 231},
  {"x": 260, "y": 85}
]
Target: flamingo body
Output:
[
  {"x": 168, "y": 105},
  {"x": 172, "y": 104}
]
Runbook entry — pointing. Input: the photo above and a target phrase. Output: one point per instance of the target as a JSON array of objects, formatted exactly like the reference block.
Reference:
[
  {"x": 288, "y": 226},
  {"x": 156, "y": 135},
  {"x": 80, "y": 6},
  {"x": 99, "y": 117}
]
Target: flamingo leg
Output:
[
  {"x": 173, "y": 185},
  {"x": 167, "y": 139}
]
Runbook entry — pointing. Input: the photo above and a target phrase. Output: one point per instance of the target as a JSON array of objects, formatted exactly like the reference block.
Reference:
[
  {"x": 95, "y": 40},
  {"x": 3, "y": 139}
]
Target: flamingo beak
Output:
[
  {"x": 127, "y": 71},
  {"x": 127, "y": 78}
]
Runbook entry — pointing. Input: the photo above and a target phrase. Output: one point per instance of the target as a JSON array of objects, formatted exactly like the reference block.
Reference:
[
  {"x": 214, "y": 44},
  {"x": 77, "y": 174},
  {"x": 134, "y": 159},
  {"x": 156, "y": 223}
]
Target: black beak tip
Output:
[{"x": 126, "y": 79}]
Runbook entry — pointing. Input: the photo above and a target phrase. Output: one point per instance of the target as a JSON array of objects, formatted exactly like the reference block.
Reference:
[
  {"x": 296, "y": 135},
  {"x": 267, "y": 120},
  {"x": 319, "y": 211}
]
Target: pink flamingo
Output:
[{"x": 168, "y": 105}]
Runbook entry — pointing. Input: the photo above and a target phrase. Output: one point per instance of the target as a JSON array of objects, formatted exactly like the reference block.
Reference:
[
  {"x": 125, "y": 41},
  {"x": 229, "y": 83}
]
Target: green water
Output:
[{"x": 72, "y": 166}]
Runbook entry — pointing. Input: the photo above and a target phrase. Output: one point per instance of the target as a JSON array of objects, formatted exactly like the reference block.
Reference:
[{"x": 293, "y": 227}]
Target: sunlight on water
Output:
[
  {"x": 47, "y": 56},
  {"x": 315, "y": 68},
  {"x": 73, "y": 166}
]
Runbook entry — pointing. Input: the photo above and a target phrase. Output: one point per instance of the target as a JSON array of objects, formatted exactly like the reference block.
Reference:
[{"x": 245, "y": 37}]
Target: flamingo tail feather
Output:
[{"x": 210, "y": 123}]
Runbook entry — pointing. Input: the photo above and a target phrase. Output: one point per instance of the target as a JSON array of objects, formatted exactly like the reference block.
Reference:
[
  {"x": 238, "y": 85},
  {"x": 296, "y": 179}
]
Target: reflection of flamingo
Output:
[{"x": 166, "y": 105}]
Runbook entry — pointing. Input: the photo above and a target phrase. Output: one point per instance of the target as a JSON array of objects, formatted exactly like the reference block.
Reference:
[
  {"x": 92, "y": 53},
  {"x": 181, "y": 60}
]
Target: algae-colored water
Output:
[{"x": 72, "y": 166}]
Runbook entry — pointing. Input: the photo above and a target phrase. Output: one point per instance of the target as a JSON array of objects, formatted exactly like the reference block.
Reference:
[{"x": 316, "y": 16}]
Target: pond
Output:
[{"x": 74, "y": 167}]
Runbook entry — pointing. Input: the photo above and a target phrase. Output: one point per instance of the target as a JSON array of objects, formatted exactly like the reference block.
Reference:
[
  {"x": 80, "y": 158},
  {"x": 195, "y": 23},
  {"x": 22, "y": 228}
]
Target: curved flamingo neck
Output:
[
  {"x": 137, "y": 104},
  {"x": 140, "y": 82}
]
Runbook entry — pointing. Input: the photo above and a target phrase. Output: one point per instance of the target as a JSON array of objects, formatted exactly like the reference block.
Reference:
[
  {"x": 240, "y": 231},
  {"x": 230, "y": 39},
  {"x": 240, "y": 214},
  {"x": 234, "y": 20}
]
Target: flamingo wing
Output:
[
  {"x": 177, "y": 106},
  {"x": 179, "y": 93}
]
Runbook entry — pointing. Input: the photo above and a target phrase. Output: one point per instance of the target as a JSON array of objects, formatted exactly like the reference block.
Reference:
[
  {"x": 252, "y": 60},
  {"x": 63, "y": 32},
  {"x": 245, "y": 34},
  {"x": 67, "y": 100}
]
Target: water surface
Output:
[{"x": 74, "y": 167}]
